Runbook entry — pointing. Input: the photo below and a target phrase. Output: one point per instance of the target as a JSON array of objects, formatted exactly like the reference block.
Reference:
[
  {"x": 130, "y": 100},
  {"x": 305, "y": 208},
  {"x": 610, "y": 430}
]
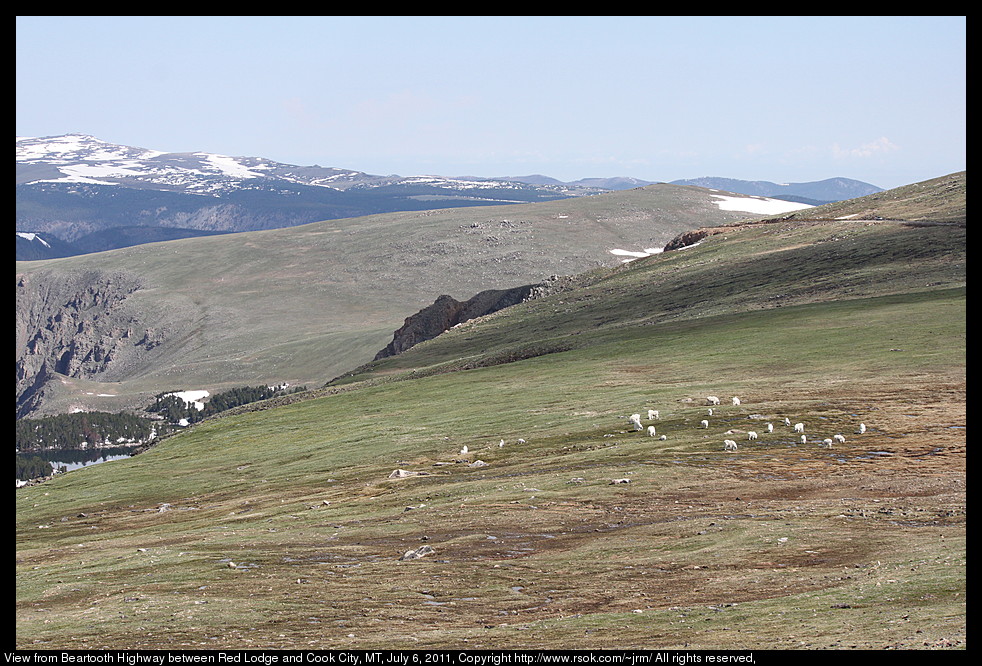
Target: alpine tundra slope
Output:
[{"x": 503, "y": 446}]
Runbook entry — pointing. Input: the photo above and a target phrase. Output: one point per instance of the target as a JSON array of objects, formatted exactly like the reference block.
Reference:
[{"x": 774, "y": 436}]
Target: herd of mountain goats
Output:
[{"x": 729, "y": 444}]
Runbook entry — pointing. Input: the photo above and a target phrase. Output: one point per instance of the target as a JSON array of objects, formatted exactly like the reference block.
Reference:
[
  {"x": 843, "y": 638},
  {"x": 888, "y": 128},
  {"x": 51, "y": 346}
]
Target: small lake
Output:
[{"x": 75, "y": 459}]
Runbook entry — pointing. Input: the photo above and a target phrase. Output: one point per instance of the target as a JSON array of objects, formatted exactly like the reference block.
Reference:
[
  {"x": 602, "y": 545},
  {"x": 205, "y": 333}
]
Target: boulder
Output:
[
  {"x": 404, "y": 474},
  {"x": 417, "y": 553}
]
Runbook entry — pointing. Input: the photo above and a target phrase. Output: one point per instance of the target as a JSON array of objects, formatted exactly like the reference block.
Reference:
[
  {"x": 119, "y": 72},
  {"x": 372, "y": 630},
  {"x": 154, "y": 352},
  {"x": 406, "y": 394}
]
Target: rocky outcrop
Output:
[
  {"x": 446, "y": 312},
  {"x": 688, "y": 238},
  {"x": 685, "y": 239},
  {"x": 72, "y": 324}
]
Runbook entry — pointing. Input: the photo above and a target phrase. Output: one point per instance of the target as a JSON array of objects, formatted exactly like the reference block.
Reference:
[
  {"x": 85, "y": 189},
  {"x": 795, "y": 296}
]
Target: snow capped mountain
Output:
[
  {"x": 69, "y": 148},
  {"x": 77, "y": 187},
  {"x": 81, "y": 158}
]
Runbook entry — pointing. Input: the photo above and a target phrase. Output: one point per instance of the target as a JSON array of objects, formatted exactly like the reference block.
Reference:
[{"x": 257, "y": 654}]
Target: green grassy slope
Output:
[
  {"x": 281, "y": 529},
  {"x": 749, "y": 268}
]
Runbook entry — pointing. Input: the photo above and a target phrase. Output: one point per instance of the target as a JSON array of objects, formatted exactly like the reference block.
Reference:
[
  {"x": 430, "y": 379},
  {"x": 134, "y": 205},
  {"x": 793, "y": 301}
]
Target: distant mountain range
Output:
[
  {"x": 813, "y": 193},
  {"x": 617, "y": 183},
  {"x": 75, "y": 186},
  {"x": 77, "y": 194}
]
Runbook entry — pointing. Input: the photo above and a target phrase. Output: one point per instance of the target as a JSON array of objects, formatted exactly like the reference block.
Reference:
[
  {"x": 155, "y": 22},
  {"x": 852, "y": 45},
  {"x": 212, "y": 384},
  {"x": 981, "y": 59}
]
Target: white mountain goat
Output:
[
  {"x": 653, "y": 414},
  {"x": 712, "y": 400},
  {"x": 729, "y": 445},
  {"x": 862, "y": 428},
  {"x": 635, "y": 421},
  {"x": 839, "y": 438},
  {"x": 787, "y": 421},
  {"x": 804, "y": 440},
  {"x": 651, "y": 431},
  {"x": 710, "y": 411},
  {"x": 799, "y": 427},
  {"x": 770, "y": 427},
  {"x": 704, "y": 424},
  {"x": 751, "y": 435},
  {"x": 736, "y": 401},
  {"x": 826, "y": 444}
]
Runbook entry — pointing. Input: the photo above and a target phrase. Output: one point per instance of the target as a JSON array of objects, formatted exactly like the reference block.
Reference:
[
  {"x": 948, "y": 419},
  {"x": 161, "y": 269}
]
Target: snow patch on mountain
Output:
[
  {"x": 32, "y": 237},
  {"x": 192, "y": 398},
  {"x": 462, "y": 183},
  {"x": 757, "y": 205},
  {"x": 229, "y": 166},
  {"x": 634, "y": 254},
  {"x": 97, "y": 173}
]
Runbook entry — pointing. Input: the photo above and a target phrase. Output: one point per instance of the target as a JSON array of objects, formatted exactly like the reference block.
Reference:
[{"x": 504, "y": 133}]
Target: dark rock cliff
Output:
[
  {"x": 446, "y": 312},
  {"x": 685, "y": 239},
  {"x": 75, "y": 325}
]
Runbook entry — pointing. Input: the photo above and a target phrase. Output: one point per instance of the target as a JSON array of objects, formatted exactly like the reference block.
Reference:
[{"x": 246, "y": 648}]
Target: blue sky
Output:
[{"x": 788, "y": 99}]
